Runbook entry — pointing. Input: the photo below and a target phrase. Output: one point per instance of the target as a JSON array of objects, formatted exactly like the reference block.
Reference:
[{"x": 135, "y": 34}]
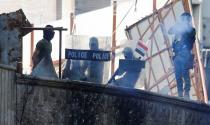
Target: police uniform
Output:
[{"x": 183, "y": 59}]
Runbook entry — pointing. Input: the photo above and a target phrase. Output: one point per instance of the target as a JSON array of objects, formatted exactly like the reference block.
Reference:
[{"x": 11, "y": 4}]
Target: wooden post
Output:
[
  {"x": 32, "y": 46},
  {"x": 114, "y": 35},
  {"x": 154, "y": 5},
  {"x": 188, "y": 8}
]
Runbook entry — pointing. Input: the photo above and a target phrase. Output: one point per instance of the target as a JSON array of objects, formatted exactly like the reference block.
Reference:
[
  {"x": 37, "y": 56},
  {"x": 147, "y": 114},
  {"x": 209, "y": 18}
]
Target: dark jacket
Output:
[{"x": 186, "y": 43}]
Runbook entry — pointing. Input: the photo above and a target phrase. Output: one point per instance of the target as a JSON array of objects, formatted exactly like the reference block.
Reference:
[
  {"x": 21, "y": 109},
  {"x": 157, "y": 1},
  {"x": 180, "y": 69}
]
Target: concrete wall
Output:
[
  {"x": 198, "y": 19},
  {"x": 206, "y": 23},
  {"x": 205, "y": 8},
  {"x": 206, "y": 41},
  {"x": 57, "y": 102},
  {"x": 82, "y": 6}
]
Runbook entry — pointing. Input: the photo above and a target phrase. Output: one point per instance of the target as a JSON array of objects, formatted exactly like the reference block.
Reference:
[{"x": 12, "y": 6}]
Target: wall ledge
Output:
[{"x": 111, "y": 90}]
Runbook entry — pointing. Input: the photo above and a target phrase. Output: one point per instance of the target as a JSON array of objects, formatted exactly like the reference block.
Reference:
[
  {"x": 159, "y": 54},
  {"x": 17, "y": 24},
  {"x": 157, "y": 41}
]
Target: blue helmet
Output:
[
  {"x": 93, "y": 44},
  {"x": 128, "y": 53},
  {"x": 186, "y": 17}
]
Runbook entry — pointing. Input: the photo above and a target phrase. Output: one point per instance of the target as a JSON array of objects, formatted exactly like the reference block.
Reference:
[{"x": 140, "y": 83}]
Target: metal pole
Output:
[
  {"x": 60, "y": 51},
  {"x": 114, "y": 35},
  {"x": 43, "y": 28}
]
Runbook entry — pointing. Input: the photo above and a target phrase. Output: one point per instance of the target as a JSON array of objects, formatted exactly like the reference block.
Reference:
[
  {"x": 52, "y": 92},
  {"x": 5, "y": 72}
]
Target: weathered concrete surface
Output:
[{"x": 54, "y": 102}]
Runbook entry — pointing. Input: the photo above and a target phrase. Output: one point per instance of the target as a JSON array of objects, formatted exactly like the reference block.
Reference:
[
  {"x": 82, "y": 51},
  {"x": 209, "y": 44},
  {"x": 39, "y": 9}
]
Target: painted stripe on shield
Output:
[{"x": 140, "y": 51}]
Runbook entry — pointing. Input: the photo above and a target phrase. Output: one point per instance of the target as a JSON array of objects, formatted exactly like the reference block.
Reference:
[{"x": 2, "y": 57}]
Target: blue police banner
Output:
[{"x": 92, "y": 55}]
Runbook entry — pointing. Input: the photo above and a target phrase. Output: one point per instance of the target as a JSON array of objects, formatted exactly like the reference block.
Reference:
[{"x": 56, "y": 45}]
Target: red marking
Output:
[{"x": 142, "y": 45}]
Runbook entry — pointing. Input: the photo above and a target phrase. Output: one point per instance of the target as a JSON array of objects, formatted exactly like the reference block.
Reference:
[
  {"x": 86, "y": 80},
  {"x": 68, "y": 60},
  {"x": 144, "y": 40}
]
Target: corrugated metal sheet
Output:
[{"x": 7, "y": 95}]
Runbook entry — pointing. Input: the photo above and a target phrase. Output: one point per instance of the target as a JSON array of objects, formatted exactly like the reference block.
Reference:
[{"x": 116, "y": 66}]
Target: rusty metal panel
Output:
[
  {"x": 7, "y": 95},
  {"x": 11, "y": 33}
]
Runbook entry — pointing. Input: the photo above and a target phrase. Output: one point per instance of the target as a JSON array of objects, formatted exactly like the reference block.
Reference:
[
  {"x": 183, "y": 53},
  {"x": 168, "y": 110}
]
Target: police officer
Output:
[
  {"x": 94, "y": 69},
  {"x": 129, "y": 77},
  {"x": 182, "y": 47}
]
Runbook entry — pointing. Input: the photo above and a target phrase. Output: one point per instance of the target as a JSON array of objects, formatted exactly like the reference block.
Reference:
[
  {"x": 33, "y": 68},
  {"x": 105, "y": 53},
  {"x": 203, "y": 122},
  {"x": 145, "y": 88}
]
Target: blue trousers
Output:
[{"x": 182, "y": 72}]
